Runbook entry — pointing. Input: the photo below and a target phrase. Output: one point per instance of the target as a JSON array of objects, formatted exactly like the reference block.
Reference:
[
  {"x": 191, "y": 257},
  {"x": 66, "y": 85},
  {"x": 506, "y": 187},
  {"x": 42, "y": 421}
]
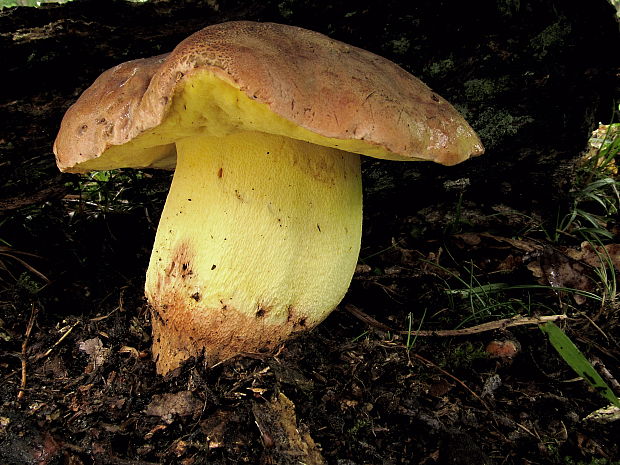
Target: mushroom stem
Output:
[{"x": 258, "y": 239}]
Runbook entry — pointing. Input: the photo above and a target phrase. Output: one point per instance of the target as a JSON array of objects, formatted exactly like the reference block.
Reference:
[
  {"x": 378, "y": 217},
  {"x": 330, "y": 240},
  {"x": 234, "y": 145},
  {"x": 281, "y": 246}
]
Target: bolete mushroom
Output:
[{"x": 264, "y": 124}]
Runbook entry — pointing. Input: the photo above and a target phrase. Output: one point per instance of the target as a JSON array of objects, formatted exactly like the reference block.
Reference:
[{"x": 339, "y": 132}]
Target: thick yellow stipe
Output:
[{"x": 259, "y": 238}]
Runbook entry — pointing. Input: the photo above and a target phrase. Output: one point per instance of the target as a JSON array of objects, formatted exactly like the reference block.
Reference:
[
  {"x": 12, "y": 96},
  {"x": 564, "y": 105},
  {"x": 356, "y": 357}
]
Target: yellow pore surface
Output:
[
  {"x": 206, "y": 105},
  {"x": 256, "y": 228}
]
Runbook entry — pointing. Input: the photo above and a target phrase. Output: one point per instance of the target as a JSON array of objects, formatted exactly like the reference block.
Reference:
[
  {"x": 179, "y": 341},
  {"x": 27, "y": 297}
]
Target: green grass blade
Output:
[
  {"x": 599, "y": 184},
  {"x": 577, "y": 361}
]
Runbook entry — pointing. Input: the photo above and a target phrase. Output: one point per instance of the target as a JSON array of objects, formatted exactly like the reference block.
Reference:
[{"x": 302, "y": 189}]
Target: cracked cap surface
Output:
[{"x": 325, "y": 87}]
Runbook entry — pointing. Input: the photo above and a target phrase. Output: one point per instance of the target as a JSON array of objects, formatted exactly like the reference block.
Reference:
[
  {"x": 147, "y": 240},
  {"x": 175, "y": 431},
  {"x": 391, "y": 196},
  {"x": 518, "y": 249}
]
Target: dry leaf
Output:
[
  {"x": 597, "y": 256},
  {"x": 286, "y": 442},
  {"x": 562, "y": 272},
  {"x": 97, "y": 352},
  {"x": 168, "y": 405}
]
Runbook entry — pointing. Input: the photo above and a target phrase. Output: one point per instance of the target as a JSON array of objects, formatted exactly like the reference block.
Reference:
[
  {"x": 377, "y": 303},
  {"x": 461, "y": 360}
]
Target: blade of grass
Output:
[
  {"x": 577, "y": 361},
  {"x": 410, "y": 341}
]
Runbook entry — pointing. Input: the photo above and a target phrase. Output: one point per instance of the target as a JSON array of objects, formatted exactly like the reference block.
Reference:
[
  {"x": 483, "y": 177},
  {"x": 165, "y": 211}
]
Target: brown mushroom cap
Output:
[{"x": 324, "y": 86}]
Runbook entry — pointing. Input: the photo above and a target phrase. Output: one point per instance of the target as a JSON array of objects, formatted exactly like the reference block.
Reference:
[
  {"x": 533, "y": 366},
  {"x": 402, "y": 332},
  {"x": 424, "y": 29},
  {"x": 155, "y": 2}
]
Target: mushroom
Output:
[{"x": 263, "y": 124}]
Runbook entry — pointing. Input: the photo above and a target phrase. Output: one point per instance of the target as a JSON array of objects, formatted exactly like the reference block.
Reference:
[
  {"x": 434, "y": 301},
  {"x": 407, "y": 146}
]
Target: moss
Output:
[
  {"x": 481, "y": 90},
  {"x": 440, "y": 68},
  {"x": 400, "y": 46},
  {"x": 27, "y": 283},
  {"x": 494, "y": 125},
  {"x": 464, "y": 355},
  {"x": 509, "y": 7},
  {"x": 286, "y": 8},
  {"x": 551, "y": 38},
  {"x": 361, "y": 426}
]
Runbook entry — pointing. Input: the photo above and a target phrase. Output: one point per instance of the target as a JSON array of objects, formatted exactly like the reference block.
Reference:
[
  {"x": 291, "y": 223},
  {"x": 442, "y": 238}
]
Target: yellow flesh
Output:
[
  {"x": 259, "y": 238},
  {"x": 207, "y": 105}
]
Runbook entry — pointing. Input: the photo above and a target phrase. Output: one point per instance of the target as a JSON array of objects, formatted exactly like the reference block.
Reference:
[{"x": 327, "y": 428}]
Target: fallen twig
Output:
[
  {"x": 14, "y": 255},
  {"x": 481, "y": 328},
  {"x": 360, "y": 315},
  {"x": 435, "y": 366},
  {"x": 29, "y": 326},
  {"x": 490, "y": 326},
  {"x": 62, "y": 338},
  {"x": 37, "y": 357},
  {"x": 602, "y": 369}
]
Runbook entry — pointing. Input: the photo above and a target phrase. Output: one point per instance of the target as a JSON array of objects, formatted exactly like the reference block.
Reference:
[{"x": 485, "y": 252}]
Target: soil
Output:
[{"x": 443, "y": 249}]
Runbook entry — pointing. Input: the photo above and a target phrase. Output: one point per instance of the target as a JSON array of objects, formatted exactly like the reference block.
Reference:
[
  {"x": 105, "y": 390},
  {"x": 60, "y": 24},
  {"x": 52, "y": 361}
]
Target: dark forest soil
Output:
[{"x": 533, "y": 78}]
